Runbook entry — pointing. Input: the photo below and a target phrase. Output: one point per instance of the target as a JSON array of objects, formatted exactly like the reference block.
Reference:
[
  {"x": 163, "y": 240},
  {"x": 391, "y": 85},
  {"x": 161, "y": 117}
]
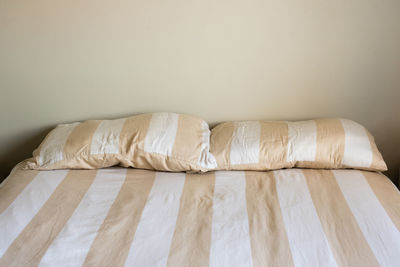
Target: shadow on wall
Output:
[
  {"x": 393, "y": 174},
  {"x": 23, "y": 150}
]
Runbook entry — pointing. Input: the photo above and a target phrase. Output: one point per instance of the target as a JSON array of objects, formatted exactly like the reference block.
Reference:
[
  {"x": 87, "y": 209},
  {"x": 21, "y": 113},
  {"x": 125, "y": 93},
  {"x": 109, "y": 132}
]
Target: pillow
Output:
[
  {"x": 158, "y": 141},
  {"x": 267, "y": 145}
]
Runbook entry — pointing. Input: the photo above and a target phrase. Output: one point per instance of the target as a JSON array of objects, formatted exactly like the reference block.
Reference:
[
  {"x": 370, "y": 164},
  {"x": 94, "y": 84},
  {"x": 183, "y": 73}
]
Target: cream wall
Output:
[{"x": 62, "y": 61}]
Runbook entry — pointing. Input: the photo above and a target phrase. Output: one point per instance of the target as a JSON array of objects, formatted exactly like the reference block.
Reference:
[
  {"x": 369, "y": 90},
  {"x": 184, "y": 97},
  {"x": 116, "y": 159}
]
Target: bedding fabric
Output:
[
  {"x": 156, "y": 141},
  {"x": 131, "y": 217},
  {"x": 269, "y": 145}
]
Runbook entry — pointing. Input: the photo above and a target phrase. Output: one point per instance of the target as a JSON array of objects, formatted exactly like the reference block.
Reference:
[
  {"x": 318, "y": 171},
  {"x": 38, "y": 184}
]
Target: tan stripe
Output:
[
  {"x": 377, "y": 162},
  {"x": 13, "y": 186},
  {"x": 112, "y": 243},
  {"x": 220, "y": 144},
  {"x": 79, "y": 141},
  {"x": 132, "y": 139},
  {"x": 330, "y": 144},
  {"x": 188, "y": 139},
  {"x": 134, "y": 132},
  {"x": 273, "y": 145},
  {"x": 387, "y": 194},
  {"x": 341, "y": 229},
  {"x": 192, "y": 237},
  {"x": 29, "y": 247},
  {"x": 269, "y": 242}
]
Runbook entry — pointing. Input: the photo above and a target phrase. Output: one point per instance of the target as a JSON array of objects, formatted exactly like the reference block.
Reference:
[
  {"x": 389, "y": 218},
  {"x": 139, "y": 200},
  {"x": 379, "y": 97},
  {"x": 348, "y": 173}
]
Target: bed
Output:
[{"x": 118, "y": 216}]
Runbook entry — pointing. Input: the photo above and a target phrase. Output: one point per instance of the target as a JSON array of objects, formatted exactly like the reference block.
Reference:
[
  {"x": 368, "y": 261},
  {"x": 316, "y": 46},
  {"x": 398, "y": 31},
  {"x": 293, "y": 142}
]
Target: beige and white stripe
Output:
[
  {"x": 387, "y": 194},
  {"x": 85, "y": 221},
  {"x": 52, "y": 149},
  {"x": 245, "y": 147},
  {"x": 302, "y": 141},
  {"x": 80, "y": 140},
  {"x": 31, "y": 244},
  {"x": 116, "y": 217},
  {"x": 106, "y": 138},
  {"x": 158, "y": 141},
  {"x": 191, "y": 242},
  {"x": 340, "y": 226},
  {"x": 307, "y": 240},
  {"x": 356, "y": 143},
  {"x": 120, "y": 225},
  {"x": 266, "y": 145},
  {"x": 382, "y": 235},
  {"x": 269, "y": 242},
  {"x": 21, "y": 211},
  {"x": 174, "y": 142},
  {"x": 11, "y": 188},
  {"x": 156, "y": 227},
  {"x": 161, "y": 134}
]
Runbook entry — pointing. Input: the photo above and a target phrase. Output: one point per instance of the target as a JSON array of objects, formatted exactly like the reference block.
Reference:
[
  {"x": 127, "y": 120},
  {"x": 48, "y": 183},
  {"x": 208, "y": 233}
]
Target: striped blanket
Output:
[{"x": 131, "y": 217}]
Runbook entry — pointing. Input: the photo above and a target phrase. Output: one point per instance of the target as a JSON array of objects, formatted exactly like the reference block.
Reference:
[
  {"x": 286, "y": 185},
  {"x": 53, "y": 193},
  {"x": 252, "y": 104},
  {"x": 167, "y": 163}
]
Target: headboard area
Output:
[{"x": 65, "y": 61}]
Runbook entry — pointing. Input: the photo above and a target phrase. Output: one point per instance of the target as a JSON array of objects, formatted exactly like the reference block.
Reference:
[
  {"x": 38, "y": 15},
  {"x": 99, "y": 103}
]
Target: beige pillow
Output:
[
  {"x": 267, "y": 145},
  {"x": 158, "y": 141}
]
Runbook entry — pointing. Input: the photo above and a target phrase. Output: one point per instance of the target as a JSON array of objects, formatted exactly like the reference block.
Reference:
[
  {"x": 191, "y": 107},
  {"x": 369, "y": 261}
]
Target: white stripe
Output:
[
  {"x": 230, "y": 235},
  {"x": 153, "y": 237},
  {"x": 161, "y": 134},
  {"x": 302, "y": 141},
  {"x": 245, "y": 147},
  {"x": 72, "y": 244},
  {"x": 307, "y": 240},
  {"x": 378, "y": 229},
  {"x": 21, "y": 211},
  {"x": 357, "y": 148},
  {"x": 206, "y": 159},
  {"x": 53, "y": 148},
  {"x": 105, "y": 139}
]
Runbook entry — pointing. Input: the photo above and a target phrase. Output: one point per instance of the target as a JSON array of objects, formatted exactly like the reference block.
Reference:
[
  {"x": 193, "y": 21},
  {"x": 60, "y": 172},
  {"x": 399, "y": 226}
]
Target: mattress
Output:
[{"x": 133, "y": 217}]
